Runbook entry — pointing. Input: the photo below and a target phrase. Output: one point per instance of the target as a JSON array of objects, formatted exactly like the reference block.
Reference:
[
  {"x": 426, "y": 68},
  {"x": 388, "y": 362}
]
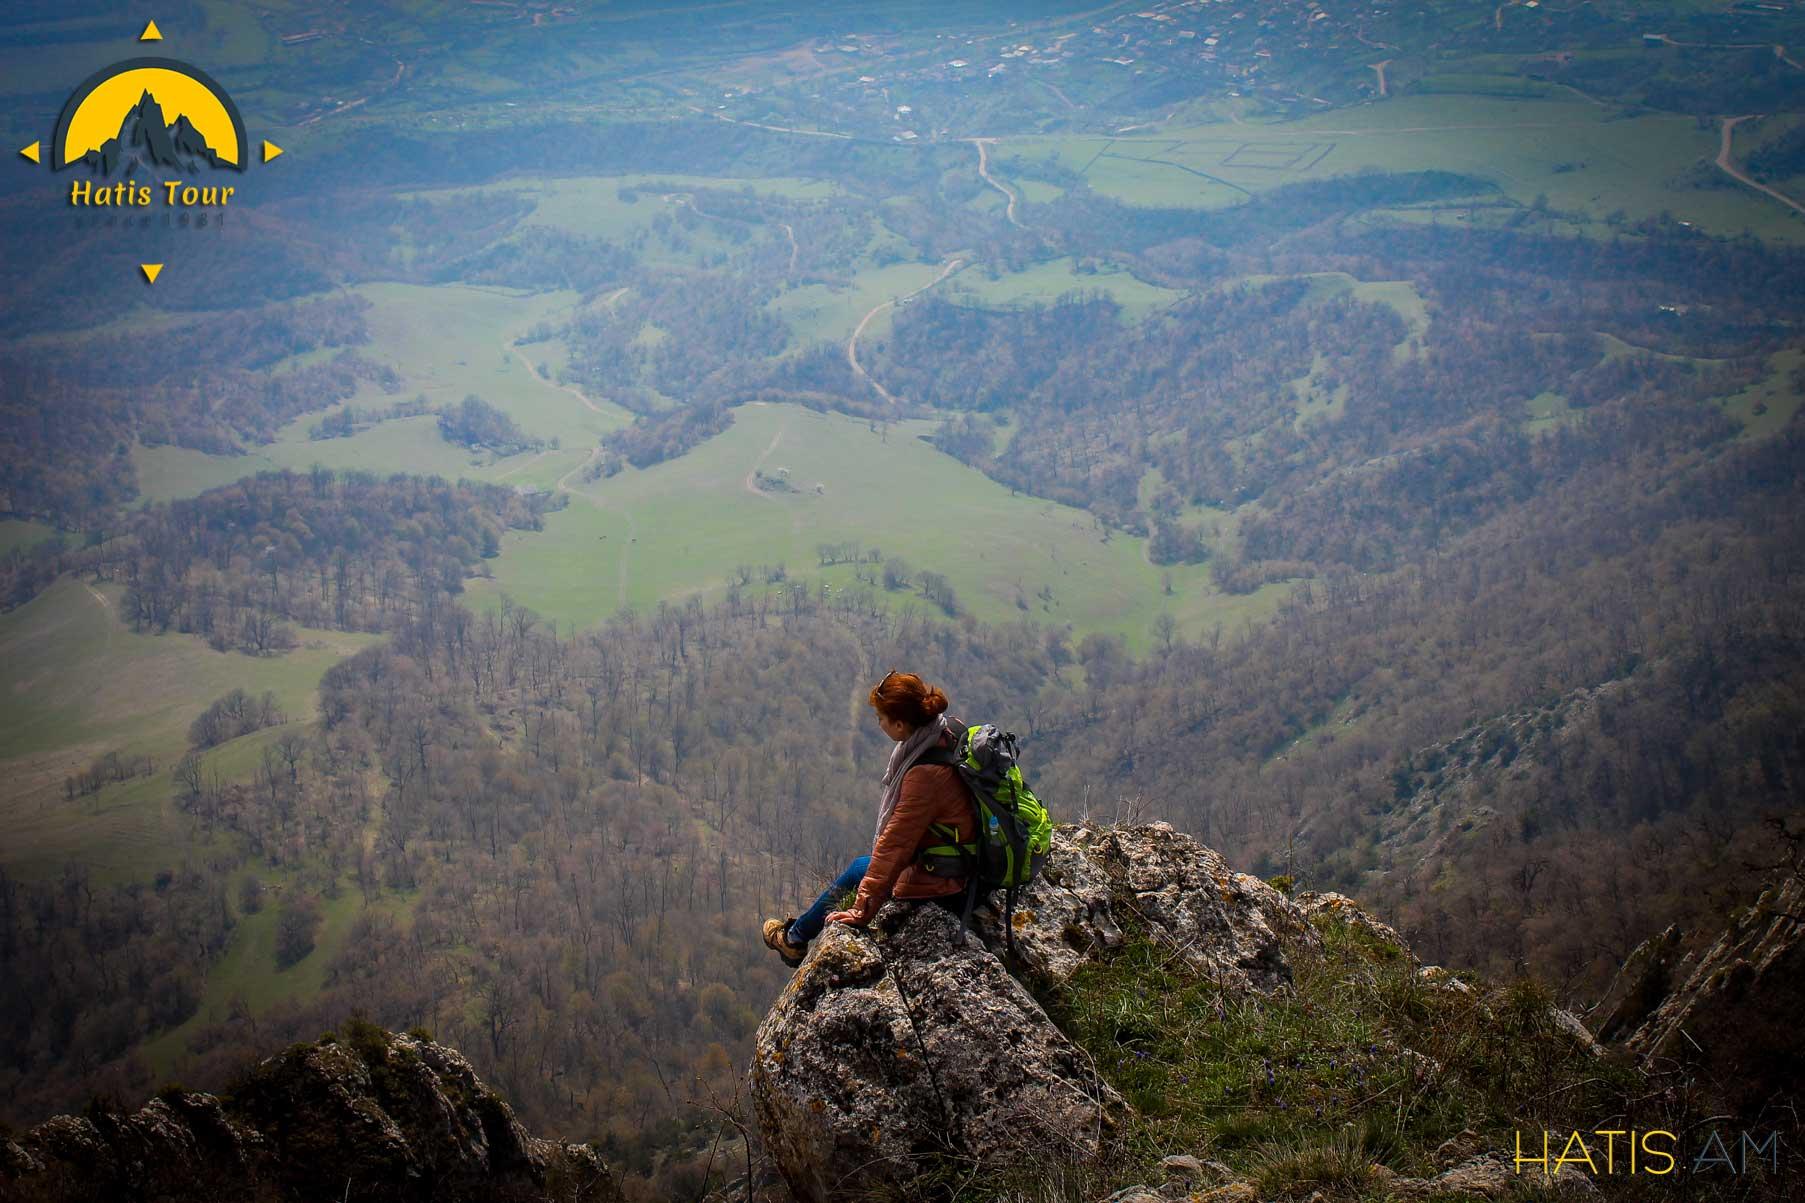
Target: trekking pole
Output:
[{"x": 909, "y": 1012}]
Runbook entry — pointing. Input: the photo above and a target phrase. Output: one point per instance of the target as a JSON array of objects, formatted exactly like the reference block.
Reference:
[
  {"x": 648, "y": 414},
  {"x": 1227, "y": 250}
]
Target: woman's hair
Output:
[{"x": 906, "y": 698}]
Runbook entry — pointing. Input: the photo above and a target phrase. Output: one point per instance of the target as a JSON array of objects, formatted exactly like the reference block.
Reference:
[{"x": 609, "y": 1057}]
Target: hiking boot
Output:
[{"x": 777, "y": 938}]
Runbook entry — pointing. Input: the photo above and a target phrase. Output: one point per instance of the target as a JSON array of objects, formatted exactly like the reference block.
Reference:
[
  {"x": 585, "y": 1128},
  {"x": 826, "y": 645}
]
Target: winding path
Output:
[
  {"x": 562, "y": 484},
  {"x": 1728, "y": 167},
  {"x": 852, "y": 344},
  {"x": 751, "y": 481},
  {"x": 542, "y": 378},
  {"x": 524, "y": 464},
  {"x": 984, "y": 170}
]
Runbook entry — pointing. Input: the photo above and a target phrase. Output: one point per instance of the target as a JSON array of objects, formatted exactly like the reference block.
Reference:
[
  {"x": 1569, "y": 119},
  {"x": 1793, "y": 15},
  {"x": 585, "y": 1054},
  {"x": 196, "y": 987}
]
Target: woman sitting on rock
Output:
[{"x": 921, "y": 805}]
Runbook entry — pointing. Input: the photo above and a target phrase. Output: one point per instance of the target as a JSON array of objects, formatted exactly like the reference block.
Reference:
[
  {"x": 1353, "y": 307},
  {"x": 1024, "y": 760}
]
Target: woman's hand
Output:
[{"x": 852, "y": 918}]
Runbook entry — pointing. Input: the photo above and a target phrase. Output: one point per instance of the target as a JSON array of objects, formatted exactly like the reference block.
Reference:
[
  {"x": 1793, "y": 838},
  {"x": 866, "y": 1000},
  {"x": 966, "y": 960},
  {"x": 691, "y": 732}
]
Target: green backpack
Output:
[{"x": 1014, "y": 832}]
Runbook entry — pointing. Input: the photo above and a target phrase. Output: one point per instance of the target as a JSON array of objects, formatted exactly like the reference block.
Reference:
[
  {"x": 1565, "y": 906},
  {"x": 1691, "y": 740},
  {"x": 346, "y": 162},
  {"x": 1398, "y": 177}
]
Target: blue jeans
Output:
[{"x": 808, "y": 925}]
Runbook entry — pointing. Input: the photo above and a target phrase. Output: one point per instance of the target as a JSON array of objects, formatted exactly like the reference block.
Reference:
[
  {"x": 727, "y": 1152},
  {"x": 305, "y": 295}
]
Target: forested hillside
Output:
[{"x": 576, "y": 834}]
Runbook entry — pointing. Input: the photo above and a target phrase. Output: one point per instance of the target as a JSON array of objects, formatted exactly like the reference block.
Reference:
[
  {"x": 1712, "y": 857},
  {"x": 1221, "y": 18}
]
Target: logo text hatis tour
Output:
[{"x": 148, "y": 134}]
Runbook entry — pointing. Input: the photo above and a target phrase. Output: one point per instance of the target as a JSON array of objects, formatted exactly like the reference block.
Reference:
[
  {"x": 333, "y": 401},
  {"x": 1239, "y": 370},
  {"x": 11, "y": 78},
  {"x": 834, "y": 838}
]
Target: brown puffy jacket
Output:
[{"x": 931, "y": 793}]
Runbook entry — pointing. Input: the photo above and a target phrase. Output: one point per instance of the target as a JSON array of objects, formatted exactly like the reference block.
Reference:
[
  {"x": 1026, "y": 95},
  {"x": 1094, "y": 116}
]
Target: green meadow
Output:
[
  {"x": 1767, "y": 406},
  {"x": 445, "y": 341},
  {"x": 1584, "y": 157},
  {"x": 79, "y": 683},
  {"x": 247, "y": 972},
  {"x": 22, "y": 533},
  {"x": 681, "y": 528}
]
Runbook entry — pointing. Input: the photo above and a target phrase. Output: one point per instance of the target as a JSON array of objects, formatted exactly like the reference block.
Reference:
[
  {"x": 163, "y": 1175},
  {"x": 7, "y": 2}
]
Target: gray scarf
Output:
[{"x": 902, "y": 758}]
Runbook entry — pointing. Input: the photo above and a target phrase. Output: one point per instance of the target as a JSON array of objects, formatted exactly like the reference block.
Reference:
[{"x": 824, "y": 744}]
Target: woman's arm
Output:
[{"x": 895, "y": 848}]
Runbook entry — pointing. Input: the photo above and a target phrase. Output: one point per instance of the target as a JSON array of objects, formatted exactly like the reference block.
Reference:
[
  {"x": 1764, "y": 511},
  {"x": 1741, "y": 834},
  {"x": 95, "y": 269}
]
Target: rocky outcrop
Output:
[
  {"x": 1342, "y": 909},
  {"x": 1730, "y": 1013},
  {"x": 382, "y": 1117},
  {"x": 1644, "y": 980},
  {"x": 902, "y": 1058},
  {"x": 1230, "y": 926},
  {"x": 899, "y": 1050}
]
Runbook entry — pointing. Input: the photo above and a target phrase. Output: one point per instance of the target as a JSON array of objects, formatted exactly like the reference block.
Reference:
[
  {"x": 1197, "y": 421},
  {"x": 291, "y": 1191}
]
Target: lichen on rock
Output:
[
  {"x": 1230, "y": 926},
  {"x": 899, "y": 1051}
]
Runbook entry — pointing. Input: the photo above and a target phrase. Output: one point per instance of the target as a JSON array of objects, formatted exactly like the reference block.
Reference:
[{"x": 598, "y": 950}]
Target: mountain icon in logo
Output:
[
  {"x": 154, "y": 113},
  {"x": 145, "y": 138}
]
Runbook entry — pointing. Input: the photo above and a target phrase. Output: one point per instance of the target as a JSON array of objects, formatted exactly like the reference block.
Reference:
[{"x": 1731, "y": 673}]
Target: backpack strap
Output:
[
  {"x": 946, "y": 748},
  {"x": 971, "y": 898},
  {"x": 935, "y": 860}
]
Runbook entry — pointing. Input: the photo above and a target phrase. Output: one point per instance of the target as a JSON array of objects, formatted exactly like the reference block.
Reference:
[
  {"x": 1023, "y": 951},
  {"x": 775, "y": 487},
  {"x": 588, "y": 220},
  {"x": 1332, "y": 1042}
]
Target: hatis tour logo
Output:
[{"x": 151, "y": 133}]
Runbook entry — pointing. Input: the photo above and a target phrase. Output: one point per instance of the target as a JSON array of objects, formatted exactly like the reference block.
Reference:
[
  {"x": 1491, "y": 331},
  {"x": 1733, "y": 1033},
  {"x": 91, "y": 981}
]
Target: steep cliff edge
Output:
[
  {"x": 375, "y": 1116},
  {"x": 1728, "y": 1014},
  {"x": 1163, "y": 1017}
]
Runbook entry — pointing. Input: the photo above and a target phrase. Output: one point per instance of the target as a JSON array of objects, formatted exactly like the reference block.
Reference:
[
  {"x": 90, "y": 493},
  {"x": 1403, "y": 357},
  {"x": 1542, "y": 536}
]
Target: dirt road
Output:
[
  {"x": 984, "y": 170},
  {"x": 510, "y": 349},
  {"x": 106, "y": 606},
  {"x": 852, "y": 344},
  {"x": 1729, "y": 168},
  {"x": 347, "y": 106},
  {"x": 751, "y": 481}
]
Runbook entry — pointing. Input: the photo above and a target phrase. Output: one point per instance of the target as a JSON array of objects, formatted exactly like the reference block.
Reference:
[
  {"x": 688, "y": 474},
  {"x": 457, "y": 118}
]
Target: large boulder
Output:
[
  {"x": 393, "y": 1118},
  {"x": 1100, "y": 880},
  {"x": 899, "y": 1050}
]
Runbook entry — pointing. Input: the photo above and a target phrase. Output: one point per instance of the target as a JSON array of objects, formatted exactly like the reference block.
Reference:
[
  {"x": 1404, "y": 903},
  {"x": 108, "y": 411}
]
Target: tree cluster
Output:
[{"x": 475, "y": 423}]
